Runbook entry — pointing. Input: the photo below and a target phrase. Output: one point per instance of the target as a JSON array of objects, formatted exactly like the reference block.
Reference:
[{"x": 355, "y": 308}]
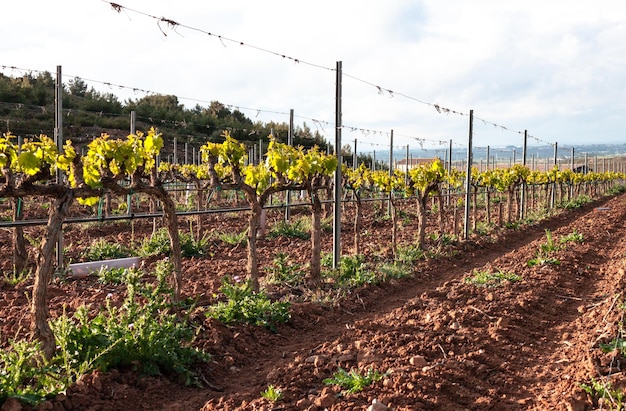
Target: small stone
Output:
[
  {"x": 489, "y": 297},
  {"x": 325, "y": 400},
  {"x": 317, "y": 360},
  {"x": 377, "y": 406},
  {"x": 346, "y": 356},
  {"x": 303, "y": 403},
  {"x": 418, "y": 361}
]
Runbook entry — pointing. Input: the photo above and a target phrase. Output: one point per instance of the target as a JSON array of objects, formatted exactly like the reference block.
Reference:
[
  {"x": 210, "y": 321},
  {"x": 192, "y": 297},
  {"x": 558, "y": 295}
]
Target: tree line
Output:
[{"x": 27, "y": 109}]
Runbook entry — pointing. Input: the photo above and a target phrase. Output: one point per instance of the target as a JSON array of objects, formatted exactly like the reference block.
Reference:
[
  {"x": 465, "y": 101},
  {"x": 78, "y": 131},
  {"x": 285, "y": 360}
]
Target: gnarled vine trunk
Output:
[
  {"x": 421, "y": 221},
  {"x": 253, "y": 259},
  {"x": 45, "y": 269},
  {"x": 171, "y": 221},
  {"x": 315, "y": 274}
]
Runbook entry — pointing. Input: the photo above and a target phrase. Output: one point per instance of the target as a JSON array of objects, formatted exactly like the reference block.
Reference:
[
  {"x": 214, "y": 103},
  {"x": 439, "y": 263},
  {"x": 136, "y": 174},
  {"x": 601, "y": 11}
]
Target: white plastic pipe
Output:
[{"x": 80, "y": 270}]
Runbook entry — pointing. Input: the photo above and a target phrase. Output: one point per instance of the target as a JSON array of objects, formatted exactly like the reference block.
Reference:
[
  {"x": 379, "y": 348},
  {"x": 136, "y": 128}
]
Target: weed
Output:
[
  {"x": 616, "y": 344},
  {"x": 108, "y": 275},
  {"x": 232, "y": 238},
  {"x": 14, "y": 278},
  {"x": 605, "y": 391},
  {"x": 243, "y": 305},
  {"x": 388, "y": 271},
  {"x": 543, "y": 260},
  {"x": 272, "y": 394},
  {"x": 283, "y": 271},
  {"x": 549, "y": 246},
  {"x": 326, "y": 260},
  {"x": 482, "y": 228},
  {"x": 577, "y": 202},
  {"x": 616, "y": 190},
  {"x": 486, "y": 278},
  {"x": 353, "y": 381},
  {"x": 543, "y": 254},
  {"x": 512, "y": 225},
  {"x": 352, "y": 272},
  {"x": 574, "y": 236},
  {"x": 159, "y": 244},
  {"x": 141, "y": 334},
  {"x": 104, "y": 250},
  {"x": 409, "y": 254},
  {"x": 288, "y": 229},
  {"x": 443, "y": 238}
]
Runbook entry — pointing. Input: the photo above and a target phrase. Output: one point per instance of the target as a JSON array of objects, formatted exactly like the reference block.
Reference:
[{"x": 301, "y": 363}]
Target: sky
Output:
[{"x": 556, "y": 69}]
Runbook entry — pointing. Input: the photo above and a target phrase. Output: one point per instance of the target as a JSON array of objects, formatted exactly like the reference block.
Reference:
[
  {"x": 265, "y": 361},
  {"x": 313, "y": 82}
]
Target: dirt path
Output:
[
  {"x": 450, "y": 345},
  {"x": 443, "y": 344}
]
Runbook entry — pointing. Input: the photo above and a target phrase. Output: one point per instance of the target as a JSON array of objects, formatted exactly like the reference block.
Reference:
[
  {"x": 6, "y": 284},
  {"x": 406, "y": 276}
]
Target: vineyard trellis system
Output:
[{"x": 123, "y": 168}]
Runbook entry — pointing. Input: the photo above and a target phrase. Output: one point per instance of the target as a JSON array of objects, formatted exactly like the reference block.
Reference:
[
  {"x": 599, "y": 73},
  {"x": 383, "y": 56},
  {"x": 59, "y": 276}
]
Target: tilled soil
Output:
[{"x": 443, "y": 343}]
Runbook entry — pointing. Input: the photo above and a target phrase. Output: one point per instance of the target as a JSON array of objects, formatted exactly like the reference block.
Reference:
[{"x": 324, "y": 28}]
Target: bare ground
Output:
[{"x": 444, "y": 344}]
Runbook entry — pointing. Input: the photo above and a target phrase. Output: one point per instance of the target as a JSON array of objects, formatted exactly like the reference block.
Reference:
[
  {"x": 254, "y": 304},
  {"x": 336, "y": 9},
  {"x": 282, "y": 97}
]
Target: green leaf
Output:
[{"x": 29, "y": 163}]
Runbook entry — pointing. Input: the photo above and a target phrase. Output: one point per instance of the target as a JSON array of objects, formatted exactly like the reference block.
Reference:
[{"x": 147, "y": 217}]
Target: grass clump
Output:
[
  {"x": 543, "y": 256},
  {"x": 290, "y": 229},
  {"x": 354, "y": 381},
  {"x": 352, "y": 272},
  {"x": 273, "y": 394},
  {"x": 13, "y": 278},
  {"x": 102, "y": 249},
  {"x": 159, "y": 244},
  {"x": 243, "y": 305},
  {"x": 573, "y": 237},
  {"x": 576, "y": 202},
  {"x": 233, "y": 238},
  {"x": 486, "y": 278},
  {"x": 284, "y": 272}
]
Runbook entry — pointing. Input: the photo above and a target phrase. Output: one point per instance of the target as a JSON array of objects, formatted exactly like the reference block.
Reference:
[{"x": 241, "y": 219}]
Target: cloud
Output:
[{"x": 553, "y": 68}]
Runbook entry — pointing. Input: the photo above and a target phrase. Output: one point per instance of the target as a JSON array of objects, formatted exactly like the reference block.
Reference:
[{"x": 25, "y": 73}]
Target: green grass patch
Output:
[
  {"x": 354, "y": 381},
  {"x": 486, "y": 278}
]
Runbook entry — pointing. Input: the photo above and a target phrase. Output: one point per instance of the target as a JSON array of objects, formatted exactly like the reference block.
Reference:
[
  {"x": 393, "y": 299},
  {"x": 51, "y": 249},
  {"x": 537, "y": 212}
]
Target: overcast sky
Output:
[{"x": 555, "y": 68}]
